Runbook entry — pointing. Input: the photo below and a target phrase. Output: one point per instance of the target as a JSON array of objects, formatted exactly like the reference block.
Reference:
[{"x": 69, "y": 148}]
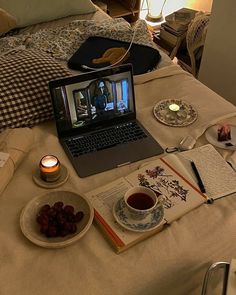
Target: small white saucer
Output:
[
  {"x": 212, "y": 137},
  {"x": 40, "y": 182},
  {"x": 122, "y": 216}
]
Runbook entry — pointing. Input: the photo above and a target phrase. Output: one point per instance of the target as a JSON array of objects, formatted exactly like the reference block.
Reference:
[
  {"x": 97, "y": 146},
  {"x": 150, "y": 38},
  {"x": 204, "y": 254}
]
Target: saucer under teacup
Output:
[{"x": 123, "y": 218}]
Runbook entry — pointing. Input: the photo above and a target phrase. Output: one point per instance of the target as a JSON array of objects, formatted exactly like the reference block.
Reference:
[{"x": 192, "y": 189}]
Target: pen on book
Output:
[{"x": 199, "y": 180}]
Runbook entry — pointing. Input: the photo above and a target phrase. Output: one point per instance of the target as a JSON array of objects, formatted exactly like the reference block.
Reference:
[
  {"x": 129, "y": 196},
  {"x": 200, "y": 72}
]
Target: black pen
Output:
[{"x": 199, "y": 180}]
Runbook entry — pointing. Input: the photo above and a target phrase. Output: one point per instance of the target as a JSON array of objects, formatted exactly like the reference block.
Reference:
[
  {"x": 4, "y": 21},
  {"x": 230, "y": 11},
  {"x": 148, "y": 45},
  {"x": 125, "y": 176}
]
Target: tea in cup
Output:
[{"x": 140, "y": 201}]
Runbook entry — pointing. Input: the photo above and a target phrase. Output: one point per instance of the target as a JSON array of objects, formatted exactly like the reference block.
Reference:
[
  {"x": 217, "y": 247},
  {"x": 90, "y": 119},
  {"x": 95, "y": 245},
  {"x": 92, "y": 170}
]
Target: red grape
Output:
[
  {"x": 79, "y": 215},
  {"x": 58, "y": 206},
  {"x": 58, "y": 219},
  {"x": 69, "y": 209}
]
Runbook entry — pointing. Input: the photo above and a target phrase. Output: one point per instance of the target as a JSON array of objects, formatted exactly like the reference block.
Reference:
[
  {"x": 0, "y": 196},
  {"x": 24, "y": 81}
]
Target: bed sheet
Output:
[{"x": 172, "y": 262}]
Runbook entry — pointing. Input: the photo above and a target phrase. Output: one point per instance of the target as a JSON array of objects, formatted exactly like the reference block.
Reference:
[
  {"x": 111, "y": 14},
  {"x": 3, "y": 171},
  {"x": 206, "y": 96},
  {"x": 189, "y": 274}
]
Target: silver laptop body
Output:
[{"x": 96, "y": 120}]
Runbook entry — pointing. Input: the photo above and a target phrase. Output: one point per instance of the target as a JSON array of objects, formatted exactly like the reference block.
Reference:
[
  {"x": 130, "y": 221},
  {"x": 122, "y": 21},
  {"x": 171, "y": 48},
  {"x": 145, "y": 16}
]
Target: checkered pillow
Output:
[{"x": 24, "y": 94}]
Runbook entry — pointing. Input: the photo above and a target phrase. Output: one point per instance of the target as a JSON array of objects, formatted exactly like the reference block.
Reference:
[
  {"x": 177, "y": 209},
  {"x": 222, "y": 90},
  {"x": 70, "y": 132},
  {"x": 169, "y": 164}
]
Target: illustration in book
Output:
[{"x": 177, "y": 193}]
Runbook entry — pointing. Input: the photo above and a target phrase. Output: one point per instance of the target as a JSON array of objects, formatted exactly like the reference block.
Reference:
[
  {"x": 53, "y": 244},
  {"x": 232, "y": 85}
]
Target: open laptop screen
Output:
[{"x": 92, "y": 99}]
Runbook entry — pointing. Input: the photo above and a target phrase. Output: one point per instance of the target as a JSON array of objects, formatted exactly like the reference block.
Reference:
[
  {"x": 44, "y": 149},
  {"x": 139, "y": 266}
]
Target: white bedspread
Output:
[{"x": 172, "y": 262}]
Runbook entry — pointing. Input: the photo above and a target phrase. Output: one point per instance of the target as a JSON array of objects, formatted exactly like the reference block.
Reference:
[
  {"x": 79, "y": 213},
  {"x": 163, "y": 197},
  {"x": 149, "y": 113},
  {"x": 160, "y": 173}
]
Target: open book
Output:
[{"x": 173, "y": 179}]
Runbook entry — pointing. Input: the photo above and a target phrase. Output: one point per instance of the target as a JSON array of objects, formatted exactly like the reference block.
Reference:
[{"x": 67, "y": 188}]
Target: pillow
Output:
[
  {"x": 7, "y": 22},
  {"x": 29, "y": 12},
  {"x": 24, "y": 92}
]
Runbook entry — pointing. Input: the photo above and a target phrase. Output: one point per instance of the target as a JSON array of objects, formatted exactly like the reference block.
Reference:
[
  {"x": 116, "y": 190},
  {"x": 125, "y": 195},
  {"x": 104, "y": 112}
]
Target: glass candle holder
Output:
[{"x": 50, "y": 168}]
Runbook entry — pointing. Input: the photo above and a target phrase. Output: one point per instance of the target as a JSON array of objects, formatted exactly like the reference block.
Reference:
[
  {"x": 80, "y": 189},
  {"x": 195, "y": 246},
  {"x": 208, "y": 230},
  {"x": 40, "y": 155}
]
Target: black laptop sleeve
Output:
[{"x": 143, "y": 58}]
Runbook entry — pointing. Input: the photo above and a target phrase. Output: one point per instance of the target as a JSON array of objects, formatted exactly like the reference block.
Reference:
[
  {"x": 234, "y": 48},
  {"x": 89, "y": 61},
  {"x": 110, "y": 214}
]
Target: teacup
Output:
[{"x": 140, "y": 201}]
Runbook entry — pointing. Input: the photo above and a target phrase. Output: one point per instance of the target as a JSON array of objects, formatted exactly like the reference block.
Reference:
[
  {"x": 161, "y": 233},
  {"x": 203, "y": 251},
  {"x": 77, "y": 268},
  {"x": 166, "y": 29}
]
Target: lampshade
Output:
[{"x": 155, "y": 8}]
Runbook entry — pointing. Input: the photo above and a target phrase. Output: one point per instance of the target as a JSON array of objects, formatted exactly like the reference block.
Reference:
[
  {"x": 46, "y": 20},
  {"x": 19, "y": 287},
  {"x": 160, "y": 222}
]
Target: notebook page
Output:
[{"x": 218, "y": 177}]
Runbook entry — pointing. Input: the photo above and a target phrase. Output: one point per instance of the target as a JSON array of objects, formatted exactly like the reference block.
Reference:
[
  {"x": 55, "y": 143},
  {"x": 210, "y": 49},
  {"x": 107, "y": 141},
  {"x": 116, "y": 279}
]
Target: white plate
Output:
[
  {"x": 30, "y": 227},
  {"x": 122, "y": 216},
  {"x": 212, "y": 136},
  {"x": 186, "y": 115}
]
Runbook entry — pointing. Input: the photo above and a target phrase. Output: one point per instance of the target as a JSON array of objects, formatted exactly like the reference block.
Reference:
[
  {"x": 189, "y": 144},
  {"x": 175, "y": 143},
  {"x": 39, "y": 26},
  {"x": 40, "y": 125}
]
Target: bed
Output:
[{"x": 172, "y": 262}]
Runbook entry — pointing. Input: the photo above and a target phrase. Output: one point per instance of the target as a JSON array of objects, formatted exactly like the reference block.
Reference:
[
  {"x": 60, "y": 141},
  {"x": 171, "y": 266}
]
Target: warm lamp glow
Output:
[
  {"x": 169, "y": 7},
  {"x": 201, "y": 5},
  {"x": 155, "y": 9}
]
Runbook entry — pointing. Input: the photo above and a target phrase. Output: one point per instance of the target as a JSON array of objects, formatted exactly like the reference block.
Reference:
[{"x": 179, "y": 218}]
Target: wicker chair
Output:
[{"x": 195, "y": 39}]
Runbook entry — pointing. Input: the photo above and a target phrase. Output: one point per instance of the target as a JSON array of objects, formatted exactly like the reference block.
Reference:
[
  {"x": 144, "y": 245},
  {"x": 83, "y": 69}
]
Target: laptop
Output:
[{"x": 96, "y": 120}]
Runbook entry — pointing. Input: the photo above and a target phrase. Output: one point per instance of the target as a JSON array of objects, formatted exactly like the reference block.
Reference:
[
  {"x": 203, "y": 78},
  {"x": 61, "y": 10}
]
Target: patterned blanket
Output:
[{"x": 61, "y": 42}]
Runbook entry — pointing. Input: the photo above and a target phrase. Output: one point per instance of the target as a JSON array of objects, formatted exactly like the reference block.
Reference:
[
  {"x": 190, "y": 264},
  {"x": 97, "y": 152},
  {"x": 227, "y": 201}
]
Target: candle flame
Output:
[
  {"x": 174, "y": 107},
  {"x": 49, "y": 161},
  {"x": 49, "y": 164}
]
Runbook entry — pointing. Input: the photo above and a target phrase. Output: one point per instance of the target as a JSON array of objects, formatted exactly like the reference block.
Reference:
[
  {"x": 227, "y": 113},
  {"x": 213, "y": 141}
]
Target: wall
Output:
[
  {"x": 203, "y": 5},
  {"x": 173, "y": 5},
  {"x": 218, "y": 66}
]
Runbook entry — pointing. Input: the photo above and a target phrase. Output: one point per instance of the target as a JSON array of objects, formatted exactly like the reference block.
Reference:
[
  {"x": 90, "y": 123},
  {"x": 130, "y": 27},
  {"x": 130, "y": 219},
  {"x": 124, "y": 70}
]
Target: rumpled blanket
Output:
[
  {"x": 17, "y": 143},
  {"x": 61, "y": 42}
]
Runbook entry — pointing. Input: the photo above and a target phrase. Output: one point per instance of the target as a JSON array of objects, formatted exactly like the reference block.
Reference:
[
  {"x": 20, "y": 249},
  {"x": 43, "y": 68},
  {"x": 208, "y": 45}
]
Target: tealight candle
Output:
[
  {"x": 174, "y": 107},
  {"x": 49, "y": 168}
]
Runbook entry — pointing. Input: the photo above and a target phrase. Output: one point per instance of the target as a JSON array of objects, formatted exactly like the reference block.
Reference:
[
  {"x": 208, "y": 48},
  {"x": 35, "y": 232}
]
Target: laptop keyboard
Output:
[{"x": 105, "y": 138}]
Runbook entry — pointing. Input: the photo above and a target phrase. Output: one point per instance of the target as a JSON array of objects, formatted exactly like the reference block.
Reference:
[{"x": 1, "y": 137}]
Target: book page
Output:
[
  {"x": 183, "y": 166},
  {"x": 163, "y": 176},
  {"x": 218, "y": 177},
  {"x": 103, "y": 200}
]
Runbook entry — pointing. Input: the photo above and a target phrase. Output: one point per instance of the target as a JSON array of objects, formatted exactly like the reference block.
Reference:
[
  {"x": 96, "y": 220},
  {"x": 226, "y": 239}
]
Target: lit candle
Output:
[
  {"x": 174, "y": 107},
  {"x": 49, "y": 168}
]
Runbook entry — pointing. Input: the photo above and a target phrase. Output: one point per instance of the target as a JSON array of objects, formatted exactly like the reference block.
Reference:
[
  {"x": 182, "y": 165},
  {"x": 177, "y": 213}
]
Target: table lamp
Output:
[{"x": 155, "y": 9}]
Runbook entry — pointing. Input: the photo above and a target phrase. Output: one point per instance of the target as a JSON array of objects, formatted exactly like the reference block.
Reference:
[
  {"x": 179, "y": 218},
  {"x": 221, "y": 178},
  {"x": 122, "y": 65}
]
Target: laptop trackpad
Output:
[
  {"x": 103, "y": 160},
  {"x": 107, "y": 159}
]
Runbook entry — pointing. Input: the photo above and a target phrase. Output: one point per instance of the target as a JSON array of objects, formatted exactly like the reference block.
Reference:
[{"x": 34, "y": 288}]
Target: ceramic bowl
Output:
[{"x": 31, "y": 228}]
